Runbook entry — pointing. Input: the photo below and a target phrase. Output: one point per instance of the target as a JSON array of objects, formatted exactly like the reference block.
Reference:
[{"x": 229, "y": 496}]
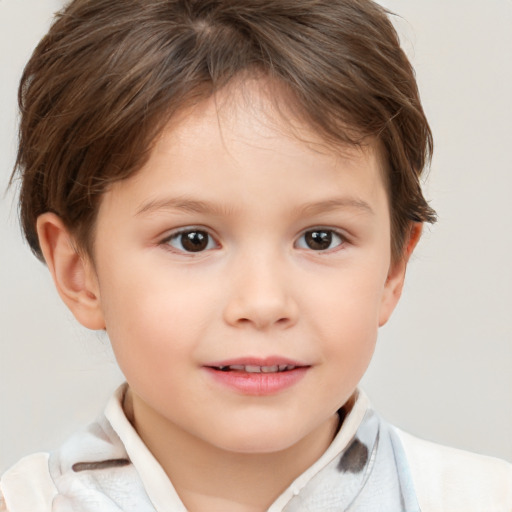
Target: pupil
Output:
[
  {"x": 194, "y": 241},
  {"x": 319, "y": 240}
]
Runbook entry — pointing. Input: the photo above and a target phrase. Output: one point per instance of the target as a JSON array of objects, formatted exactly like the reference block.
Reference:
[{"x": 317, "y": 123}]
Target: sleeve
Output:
[
  {"x": 27, "y": 486},
  {"x": 451, "y": 480}
]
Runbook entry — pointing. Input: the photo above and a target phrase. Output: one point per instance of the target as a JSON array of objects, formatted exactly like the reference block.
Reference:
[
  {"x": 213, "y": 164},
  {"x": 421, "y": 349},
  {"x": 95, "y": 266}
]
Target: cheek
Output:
[
  {"x": 132, "y": 307},
  {"x": 152, "y": 315},
  {"x": 349, "y": 299},
  {"x": 345, "y": 316}
]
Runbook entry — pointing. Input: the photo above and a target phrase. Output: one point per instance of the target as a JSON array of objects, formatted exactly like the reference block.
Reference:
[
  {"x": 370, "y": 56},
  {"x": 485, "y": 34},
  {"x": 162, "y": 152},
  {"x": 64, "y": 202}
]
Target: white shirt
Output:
[{"x": 435, "y": 478}]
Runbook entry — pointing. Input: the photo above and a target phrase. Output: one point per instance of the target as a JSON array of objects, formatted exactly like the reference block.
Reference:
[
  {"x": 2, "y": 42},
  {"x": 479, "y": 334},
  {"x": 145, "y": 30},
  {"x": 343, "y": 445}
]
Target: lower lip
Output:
[{"x": 258, "y": 384}]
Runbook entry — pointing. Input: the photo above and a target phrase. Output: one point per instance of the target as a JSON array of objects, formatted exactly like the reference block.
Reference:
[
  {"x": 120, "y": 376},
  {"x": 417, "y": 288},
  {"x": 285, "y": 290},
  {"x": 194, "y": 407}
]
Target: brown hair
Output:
[{"x": 109, "y": 74}]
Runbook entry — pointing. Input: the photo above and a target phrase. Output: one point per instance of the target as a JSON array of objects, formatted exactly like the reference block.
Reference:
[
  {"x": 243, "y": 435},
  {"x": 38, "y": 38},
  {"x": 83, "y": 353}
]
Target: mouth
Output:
[
  {"x": 251, "y": 368},
  {"x": 255, "y": 376}
]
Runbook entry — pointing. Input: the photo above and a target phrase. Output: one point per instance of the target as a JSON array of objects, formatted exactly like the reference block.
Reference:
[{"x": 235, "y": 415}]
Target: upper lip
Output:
[{"x": 272, "y": 363}]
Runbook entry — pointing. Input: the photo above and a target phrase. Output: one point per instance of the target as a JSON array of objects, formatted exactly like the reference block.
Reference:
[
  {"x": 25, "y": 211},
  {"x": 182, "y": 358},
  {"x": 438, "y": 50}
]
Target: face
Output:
[{"x": 243, "y": 274}]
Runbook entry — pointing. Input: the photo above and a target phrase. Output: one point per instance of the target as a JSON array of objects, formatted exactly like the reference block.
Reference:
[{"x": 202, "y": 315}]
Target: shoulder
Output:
[
  {"x": 28, "y": 485},
  {"x": 451, "y": 480}
]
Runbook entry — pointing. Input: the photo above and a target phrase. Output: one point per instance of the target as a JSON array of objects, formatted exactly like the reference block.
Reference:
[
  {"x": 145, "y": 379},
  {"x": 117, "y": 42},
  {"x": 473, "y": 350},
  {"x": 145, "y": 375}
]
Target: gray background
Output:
[{"x": 442, "y": 369}]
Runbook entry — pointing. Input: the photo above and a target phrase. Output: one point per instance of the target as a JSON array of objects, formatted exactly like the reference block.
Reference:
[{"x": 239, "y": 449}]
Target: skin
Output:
[{"x": 232, "y": 168}]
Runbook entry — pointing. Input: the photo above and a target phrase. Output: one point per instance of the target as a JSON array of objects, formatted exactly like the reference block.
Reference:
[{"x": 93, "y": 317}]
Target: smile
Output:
[
  {"x": 256, "y": 369},
  {"x": 257, "y": 377}
]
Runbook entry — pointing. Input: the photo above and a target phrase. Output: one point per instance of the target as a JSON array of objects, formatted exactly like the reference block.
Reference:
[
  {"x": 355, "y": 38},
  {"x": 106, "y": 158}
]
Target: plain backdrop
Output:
[{"x": 442, "y": 369}]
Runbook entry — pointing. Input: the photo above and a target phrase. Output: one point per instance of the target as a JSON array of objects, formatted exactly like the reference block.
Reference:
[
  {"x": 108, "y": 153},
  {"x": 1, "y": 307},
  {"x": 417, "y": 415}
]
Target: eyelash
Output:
[
  {"x": 332, "y": 235},
  {"x": 178, "y": 235}
]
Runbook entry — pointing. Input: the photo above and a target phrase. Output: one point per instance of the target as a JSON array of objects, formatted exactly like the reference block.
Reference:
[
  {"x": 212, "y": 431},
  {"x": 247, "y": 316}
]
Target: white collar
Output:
[{"x": 160, "y": 489}]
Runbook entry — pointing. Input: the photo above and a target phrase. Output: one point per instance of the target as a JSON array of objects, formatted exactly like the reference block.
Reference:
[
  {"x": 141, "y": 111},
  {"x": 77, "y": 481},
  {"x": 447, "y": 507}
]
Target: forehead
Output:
[
  {"x": 243, "y": 138},
  {"x": 254, "y": 106}
]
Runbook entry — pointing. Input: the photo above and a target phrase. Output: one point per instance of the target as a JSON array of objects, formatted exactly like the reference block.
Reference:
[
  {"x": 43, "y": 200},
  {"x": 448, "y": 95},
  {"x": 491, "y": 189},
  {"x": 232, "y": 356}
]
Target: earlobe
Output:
[
  {"x": 396, "y": 276},
  {"x": 73, "y": 274}
]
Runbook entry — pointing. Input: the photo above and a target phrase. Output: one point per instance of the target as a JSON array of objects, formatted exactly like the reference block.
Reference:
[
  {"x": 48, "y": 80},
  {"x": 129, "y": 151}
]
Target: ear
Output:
[
  {"x": 73, "y": 274},
  {"x": 396, "y": 276}
]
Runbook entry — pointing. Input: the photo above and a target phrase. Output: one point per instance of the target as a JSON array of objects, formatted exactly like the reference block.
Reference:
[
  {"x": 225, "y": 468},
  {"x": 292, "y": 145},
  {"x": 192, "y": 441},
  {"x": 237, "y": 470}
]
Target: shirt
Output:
[{"x": 370, "y": 466}]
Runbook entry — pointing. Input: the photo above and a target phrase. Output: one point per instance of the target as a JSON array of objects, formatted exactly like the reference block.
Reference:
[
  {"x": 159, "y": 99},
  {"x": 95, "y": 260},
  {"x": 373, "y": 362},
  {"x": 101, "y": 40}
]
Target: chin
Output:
[{"x": 252, "y": 441}]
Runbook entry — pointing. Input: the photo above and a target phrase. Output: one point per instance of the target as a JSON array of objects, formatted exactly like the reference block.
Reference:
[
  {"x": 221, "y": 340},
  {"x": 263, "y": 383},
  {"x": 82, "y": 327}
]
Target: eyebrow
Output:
[
  {"x": 207, "y": 207},
  {"x": 181, "y": 203},
  {"x": 341, "y": 203}
]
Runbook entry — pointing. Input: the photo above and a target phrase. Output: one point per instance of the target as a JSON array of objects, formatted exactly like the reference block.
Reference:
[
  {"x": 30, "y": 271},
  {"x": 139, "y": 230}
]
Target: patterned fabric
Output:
[
  {"x": 369, "y": 466},
  {"x": 368, "y": 473}
]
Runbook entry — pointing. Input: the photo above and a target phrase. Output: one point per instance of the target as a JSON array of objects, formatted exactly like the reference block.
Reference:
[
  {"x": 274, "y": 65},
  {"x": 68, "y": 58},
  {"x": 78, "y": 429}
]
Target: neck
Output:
[{"x": 207, "y": 477}]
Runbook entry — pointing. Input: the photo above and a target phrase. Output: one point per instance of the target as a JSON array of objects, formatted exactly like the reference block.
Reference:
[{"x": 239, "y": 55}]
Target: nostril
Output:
[{"x": 263, "y": 322}]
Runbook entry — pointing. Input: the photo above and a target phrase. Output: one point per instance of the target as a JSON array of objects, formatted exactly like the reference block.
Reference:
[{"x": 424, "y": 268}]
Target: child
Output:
[{"x": 231, "y": 191}]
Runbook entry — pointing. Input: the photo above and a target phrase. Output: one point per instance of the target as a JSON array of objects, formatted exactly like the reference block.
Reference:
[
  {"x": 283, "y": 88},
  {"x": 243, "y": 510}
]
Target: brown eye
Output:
[
  {"x": 320, "y": 240},
  {"x": 193, "y": 240}
]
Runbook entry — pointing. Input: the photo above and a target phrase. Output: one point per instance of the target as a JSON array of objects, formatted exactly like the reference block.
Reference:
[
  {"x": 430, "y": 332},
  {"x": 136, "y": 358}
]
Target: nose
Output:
[{"x": 261, "y": 296}]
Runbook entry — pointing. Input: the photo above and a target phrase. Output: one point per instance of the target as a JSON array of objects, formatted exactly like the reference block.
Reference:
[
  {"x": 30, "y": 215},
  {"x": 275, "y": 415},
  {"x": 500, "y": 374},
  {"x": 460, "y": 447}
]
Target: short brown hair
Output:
[{"x": 109, "y": 74}]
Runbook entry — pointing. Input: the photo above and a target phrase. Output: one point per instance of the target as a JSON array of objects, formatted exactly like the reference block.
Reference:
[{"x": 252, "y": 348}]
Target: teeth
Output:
[
  {"x": 257, "y": 369},
  {"x": 239, "y": 368}
]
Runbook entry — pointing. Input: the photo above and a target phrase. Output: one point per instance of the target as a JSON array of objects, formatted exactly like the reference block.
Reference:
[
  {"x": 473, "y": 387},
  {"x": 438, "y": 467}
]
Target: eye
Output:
[
  {"x": 320, "y": 240},
  {"x": 191, "y": 240}
]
